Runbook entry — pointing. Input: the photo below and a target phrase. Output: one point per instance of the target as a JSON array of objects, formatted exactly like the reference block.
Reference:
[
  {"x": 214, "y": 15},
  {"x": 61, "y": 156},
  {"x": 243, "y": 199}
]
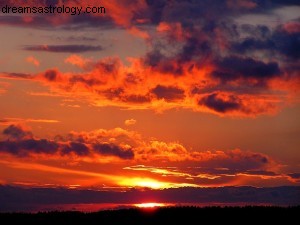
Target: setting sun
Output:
[{"x": 150, "y": 205}]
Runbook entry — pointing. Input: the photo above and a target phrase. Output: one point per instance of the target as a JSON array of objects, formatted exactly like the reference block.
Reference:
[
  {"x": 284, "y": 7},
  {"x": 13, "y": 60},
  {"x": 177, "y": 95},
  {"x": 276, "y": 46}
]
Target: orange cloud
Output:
[
  {"x": 77, "y": 60},
  {"x": 130, "y": 122},
  {"x": 110, "y": 83},
  {"x": 120, "y": 144},
  {"x": 33, "y": 60},
  {"x": 9, "y": 121},
  {"x": 131, "y": 155}
]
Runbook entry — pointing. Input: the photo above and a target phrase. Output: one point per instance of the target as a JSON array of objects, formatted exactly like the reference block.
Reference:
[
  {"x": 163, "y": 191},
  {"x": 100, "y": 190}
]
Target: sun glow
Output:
[
  {"x": 150, "y": 205},
  {"x": 144, "y": 182}
]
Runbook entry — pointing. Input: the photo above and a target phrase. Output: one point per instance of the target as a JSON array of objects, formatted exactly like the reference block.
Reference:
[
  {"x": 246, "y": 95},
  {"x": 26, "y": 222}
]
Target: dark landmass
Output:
[{"x": 164, "y": 216}]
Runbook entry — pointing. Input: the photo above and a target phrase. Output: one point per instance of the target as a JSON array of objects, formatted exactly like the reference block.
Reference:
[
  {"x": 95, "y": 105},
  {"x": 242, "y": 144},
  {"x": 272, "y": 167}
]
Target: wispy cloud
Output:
[
  {"x": 63, "y": 48},
  {"x": 130, "y": 122},
  {"x": 8, "y": 121}
]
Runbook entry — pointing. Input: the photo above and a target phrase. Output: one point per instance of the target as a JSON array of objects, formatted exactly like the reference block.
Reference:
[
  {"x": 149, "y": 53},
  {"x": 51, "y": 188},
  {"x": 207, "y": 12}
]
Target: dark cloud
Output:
[
  {"x": 236, "y": 161},
  {"x": 39, "y": 199},
  {"x": 194, "y": 48},
  {"x": 232, "y": 68},
  {"x": 30, "y": 146},
  {"x": 16, "y": 132},
  {"x": 251, "y": 44},
  {"x": 51, "y": 75},
  {"x": 288, "y": 44},
  {"x": 275, "y": 3},
  {"x": 153, "y": 58},
  {"x": 113, "y": 150},
  {"x": 168, "y": 93},
  {"x": 219, "y": 104},
  {"x": 113, "y": 93},
  {"x": 294, "y": 175},
  {"x": 23, "y": 148},
  {"x": 22, "y": 143},
  {"x": 80, "y": 79},
  {"x": 155, "y": 10},
  {"x": 63, "y": 48},
  {"x": 78, "y": 148},
  {"x": 162, "y": 64},
  {"x": 18, "y": 76},
  {"x": 279, "y": 42},
  {"x": 136, "y": 99},
  {"x": 262, "y": 173}
]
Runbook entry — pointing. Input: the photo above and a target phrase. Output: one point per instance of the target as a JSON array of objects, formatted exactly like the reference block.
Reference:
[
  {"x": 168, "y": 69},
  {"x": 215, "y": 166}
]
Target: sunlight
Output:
[
  {"x": 149, "y": 205},
  {"x": 144, "y": 182}
]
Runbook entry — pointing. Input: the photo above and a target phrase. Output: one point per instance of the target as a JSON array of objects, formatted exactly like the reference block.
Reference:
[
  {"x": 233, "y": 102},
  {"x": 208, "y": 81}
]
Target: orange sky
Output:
[{"x": 151, "y": 95}]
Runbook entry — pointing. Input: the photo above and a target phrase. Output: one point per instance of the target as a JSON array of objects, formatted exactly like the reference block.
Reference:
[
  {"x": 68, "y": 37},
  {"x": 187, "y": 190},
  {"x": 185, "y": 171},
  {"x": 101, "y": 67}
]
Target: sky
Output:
[{"x": 150, "y": 94}]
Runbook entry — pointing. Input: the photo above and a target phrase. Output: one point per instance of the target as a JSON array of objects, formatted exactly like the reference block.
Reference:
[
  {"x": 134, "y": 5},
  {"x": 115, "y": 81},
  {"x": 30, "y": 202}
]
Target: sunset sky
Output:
[{"x": 151, "y": 94}]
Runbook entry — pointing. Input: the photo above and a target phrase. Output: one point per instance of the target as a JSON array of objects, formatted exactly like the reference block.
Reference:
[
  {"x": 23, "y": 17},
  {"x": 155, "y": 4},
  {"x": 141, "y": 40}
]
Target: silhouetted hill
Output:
[{"x": 164, "y": 216}]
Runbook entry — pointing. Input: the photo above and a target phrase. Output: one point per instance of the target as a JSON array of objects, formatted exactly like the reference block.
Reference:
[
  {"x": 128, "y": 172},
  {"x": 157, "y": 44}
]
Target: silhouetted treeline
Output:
[{"x": 163, "y": 216}]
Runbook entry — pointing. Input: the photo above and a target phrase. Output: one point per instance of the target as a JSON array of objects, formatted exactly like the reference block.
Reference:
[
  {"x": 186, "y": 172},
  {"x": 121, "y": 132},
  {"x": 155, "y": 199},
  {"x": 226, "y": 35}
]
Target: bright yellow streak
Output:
[
  {"x": 149, "y": 205},
  {"x": 144, "y": 182},
  {"x": 151, "y": 183}
]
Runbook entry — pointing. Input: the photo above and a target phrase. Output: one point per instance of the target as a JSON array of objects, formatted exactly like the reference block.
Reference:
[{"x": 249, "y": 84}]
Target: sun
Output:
[{"x": 149, "y": 205}]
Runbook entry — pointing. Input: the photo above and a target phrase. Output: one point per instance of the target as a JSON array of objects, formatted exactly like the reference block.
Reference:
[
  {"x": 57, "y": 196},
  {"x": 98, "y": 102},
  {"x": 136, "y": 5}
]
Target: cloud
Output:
[
  {"x": 127, "y": 145},
  {"x": 22, "y": 143},
  {"x": 78, "y": 61},
  {"x": 168, "y": 93},
  {"x": 51, "y": 75},
  {"x": 24, "y": 148},
  {"x": 204, "y": 62},
  {"x": 37, "y": 199},
  {"x": 144, "y": 162},
  {"x": 223, "y": 103},
  {"x": 33, "y": 60},
  {"x": 17, "y": 132},
  {"x": 78, "y": 148},
  {"x": 63, "y": 48},
  {"x": 12, "y": 121},
  {"x": 130, "y": 122},
  {"x": 283, "y": 41},
  {"x": 113, "y": 150},
  {"x": 248, "y": 4},
  {"x": 233, "y": 68},
  {"x": 219, "y": 104},
  {"x": 16, "y": 76}
]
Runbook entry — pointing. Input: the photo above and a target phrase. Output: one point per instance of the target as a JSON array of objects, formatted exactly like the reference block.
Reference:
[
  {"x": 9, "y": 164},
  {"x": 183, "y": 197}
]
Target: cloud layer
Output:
[
  {"x": 162, "y": 164},
  {"x": 199, "y": 57},
  {"x": 37, "y": 199}
]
